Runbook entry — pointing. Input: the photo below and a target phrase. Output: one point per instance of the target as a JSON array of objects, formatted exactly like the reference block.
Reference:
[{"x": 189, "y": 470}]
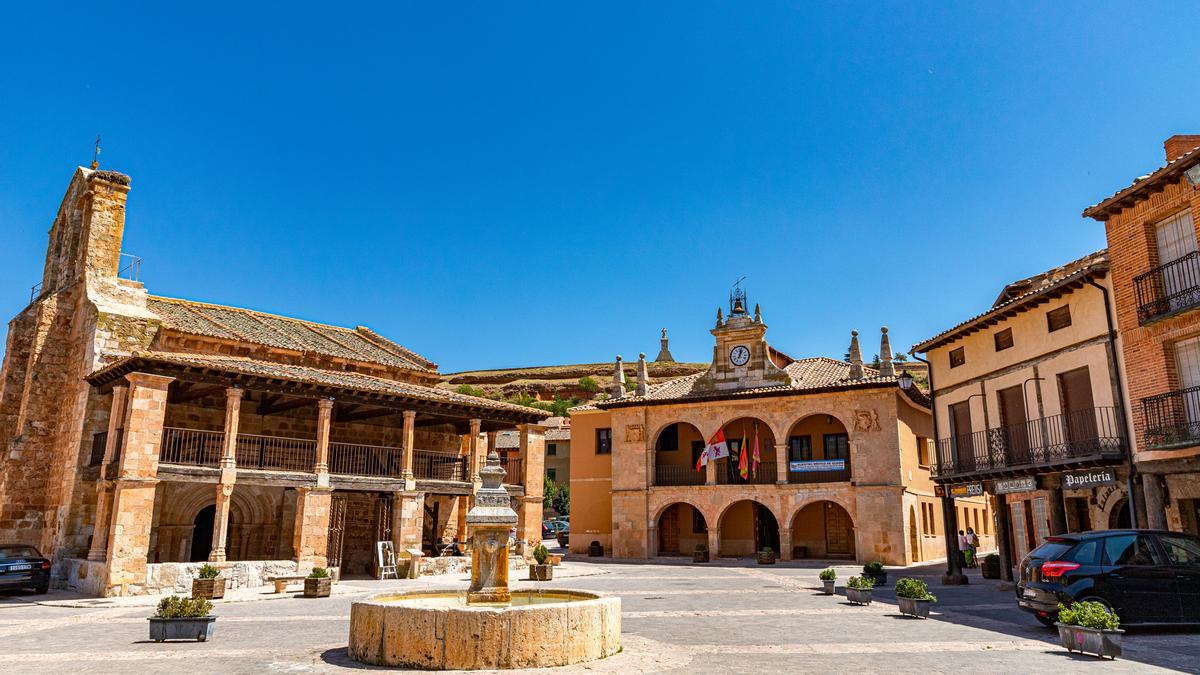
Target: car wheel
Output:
[
  {"x": 1047, "y": 621},
  {"x": 42, "y": 589}
]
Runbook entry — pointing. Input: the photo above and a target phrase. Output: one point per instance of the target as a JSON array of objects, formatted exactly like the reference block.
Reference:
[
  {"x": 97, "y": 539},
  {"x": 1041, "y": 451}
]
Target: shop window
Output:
[{"x": 604, "y": 441}]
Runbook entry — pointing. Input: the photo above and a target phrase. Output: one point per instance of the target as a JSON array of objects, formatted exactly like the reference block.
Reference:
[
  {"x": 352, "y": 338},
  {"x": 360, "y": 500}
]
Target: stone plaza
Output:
[{"x": 726, "y": 616}]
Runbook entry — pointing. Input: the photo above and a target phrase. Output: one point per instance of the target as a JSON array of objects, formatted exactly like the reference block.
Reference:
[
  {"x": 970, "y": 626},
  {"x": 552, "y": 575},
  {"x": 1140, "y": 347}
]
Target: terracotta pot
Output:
[{"x": 211, "y": 589}]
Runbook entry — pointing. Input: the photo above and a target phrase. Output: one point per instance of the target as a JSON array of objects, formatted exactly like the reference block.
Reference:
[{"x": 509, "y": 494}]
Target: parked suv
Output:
[
  {"x": 23, "y": 567},
  {"x": 1146, "y": 576}
]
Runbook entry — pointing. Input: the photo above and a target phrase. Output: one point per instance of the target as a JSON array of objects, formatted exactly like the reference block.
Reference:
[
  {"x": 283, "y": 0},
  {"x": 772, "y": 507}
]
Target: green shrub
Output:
[
  {"x": 208, "y": 572},
  {"x": 179, "y": 607},
  {"x": 916, "y": 589},
  {"x": 766, "y": 550},
  {"x": 828, "y": 574},
  {"x": 873, "y": 567},
  {"x": 1089, "y": 614},
  {"x": 589, "y": 383},
  {"x": 860, "y": 583},
  {"x": 540, "y": 554},
  {"x": 318, "y": 573}
]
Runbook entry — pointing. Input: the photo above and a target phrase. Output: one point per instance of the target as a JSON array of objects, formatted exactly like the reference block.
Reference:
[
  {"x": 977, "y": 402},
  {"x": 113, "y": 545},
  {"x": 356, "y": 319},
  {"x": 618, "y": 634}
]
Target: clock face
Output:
[{"x": 739, "y": 355}]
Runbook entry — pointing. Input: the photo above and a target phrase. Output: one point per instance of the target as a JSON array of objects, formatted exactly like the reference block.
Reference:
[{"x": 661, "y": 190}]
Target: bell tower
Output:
[
  {"x": 741, "y": 357},
  {"x": 85, "y": 240}
]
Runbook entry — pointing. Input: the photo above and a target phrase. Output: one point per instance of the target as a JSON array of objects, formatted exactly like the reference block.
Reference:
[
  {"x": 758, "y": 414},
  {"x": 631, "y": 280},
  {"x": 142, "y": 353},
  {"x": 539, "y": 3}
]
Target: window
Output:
[
  {"x": 1176, "y": 238},
  {"x": 924, "y": 519},
  {"x": 552, "y": 474},
  {"x": 799, "y": 448},
  {"x": 551, "y": 450},
  {"x": 668, "y": 440},
  {"x": 1087, "y": 553},
  {"x": 957, "y": 357},
  {"x": 922, "y": 451},
  {"x": 698, "y": 524},
  {"x": 1003, "y": 339},
  {"x": 1181, "y": 550},
  {"x": 604, "y": 441},
  {"x": 1130, "y": 549},
  {"x": 837, "y": 446},
  {"x": 1057, "y": 319}
]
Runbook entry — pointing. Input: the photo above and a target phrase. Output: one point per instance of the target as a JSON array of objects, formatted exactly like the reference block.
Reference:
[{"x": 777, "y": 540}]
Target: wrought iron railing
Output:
[
  {"x": 1172, "y": 418},
  {"x": 1093, "y": 433},
  {"x": 439, "y": 465},
  {"x": 191, "y": 446},
  {"x": 278, "y": 453},
  {"x": 1168, "y": 288},
  {"x": 516, "y": 475},
  {"x": 763, "y": 475},
  {"x": 365, "y": 460},
  {"x": 666, "y": 475}
]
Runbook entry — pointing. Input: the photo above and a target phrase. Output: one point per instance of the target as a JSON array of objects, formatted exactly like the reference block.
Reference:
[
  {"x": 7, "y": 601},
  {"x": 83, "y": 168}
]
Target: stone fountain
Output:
[{"x": 491, "y": 627}]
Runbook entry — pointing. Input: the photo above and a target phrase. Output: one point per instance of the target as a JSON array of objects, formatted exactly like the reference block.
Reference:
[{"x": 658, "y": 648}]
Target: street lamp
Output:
[{"x": 905, "y": 380}]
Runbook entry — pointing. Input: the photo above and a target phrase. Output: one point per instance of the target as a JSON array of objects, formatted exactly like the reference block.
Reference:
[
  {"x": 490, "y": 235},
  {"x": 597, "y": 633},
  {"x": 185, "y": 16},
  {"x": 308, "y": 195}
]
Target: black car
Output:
[
  {"x": 1146, "y": 576},
  {"x": 23, "y": 567}
]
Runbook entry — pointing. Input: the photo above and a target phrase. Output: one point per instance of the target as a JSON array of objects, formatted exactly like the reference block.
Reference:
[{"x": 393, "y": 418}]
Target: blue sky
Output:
[{"x": 503, "y": 184}]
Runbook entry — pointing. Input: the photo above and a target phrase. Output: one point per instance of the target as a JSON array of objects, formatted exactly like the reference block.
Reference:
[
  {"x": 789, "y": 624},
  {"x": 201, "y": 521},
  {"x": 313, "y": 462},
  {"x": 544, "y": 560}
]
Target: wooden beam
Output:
[
  {"x": 363, "y": 414},
  {"x": 275, "y": 408},
  {"x": 192, "y": 392}
]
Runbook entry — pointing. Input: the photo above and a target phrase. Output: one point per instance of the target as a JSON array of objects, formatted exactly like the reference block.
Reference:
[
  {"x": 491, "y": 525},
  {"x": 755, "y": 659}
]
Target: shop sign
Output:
[
  {"x": 1005, "y": 486},
  {"x": 817, "y": 465},
  {"x": 1085, "y": 480},
  {"x": 967, "y": 490}
]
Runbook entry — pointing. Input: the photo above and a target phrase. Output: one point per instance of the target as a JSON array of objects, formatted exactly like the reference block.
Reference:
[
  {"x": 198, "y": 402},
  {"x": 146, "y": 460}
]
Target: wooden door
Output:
[
  {"x": 1015, "y": 424},
  {"x": 839, "y": 531},
  {"x": 1079, "y": 417},
  {"x": 668, "y": 531},
  {"x": 960, "y": 430},
  {"x": 337, "y": 530}
]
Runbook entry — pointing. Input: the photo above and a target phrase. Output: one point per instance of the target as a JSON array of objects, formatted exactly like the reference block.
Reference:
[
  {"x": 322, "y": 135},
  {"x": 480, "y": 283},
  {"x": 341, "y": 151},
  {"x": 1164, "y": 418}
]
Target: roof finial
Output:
[
  {"x": 886, "y": 367},
  {"x": 757, "y": 313},
  {"x": 720, "y": 317},
  {"x": 617, "y": 389},
  {"x": 856, "y": 367},
  {"x": 664, "y": 354},
  {"x": 643, "y": 376},
  {"x": 96, "y": 154}
]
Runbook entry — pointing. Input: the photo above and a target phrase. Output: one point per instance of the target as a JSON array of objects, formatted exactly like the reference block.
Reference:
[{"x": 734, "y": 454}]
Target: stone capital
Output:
[
  {"x": 149, "y": 381},
  {"x": 325, "y": 404},
  {"x": 234, "y": 392}
]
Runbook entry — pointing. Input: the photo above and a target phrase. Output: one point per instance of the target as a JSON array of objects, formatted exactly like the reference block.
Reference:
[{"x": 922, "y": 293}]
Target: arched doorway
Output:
[
  {"x": 202, "y": 533},
  {"x": 1119, "y": 518},
  {"x": 818, "y": 450},
  {"x": 748, "y": 432},
  {"x": 747, "y": 527},
  {"x": 676, "y": 450},
  {"x": 823, "y": 530},
  {"x": 914, "y": 542},
  {"x": 681, "y": 528}
]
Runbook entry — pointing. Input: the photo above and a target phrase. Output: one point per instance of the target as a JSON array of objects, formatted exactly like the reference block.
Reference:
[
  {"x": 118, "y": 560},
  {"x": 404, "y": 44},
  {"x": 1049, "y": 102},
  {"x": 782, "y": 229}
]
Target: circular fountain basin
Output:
[{"x": 439, "y": 631}]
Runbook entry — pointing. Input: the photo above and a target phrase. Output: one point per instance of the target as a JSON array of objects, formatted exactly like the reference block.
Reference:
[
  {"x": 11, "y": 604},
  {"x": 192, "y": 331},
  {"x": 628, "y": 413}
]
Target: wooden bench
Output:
[{"x": 282, "y": 581}]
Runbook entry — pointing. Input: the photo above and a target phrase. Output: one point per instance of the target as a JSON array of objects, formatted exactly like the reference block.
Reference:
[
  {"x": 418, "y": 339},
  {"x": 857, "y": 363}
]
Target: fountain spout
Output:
[{"x": 489, "y": 521}]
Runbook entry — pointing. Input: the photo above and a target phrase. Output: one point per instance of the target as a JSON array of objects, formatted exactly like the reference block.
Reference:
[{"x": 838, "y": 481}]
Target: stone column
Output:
[
  {"x": 1004, "y": 536},
  {"x": 324, "y": 418},
  {"x": 233, "y": 407},
  {"x": 1058, "y": 511},
  {"x": 533, "y": 466},
  {"x": 785, "y": 543},
  {"x": 410, "y": 417},
  {"x": 461, "y": 524},
  {"x": 781, "y": 465},
  {"x": 473, "y": 450},
  {"x": 310, "y": 536},
  {"x": 710, "y": 472},
  {"x": 116, "y": 418},
  {"x": 408, "y": 520},
  {"x": 652, "y": 540},
  {"x": 133, "y": 494},
  {"x": 1156, "y": 514},
  {"x": 953, "y": 575},
  {"x": 492, "y": 439},
  {"x": 714, "y": 541}
]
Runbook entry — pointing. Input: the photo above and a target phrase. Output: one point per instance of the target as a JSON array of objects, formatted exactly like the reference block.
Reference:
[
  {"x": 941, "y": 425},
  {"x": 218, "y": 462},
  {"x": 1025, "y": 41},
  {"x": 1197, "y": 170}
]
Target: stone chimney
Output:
[
  {"x": 664, "y": 354},
  {"x": 886, "y": 367},
  {"x": 1180, "y": 144},
  {"x": 617, "y": 388},
  {"x": 856, "y": 368},
  {"x": 643, "y": 376}
]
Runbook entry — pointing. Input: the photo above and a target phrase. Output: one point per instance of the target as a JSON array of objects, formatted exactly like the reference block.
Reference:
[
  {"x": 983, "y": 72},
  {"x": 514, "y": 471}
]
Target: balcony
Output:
[
  {"x": 1073, "y": 439},
  {"x": 731, "y": 476},
  {"x": 1168, "y": 289},
  {"x": 677, "y": 475},
  {"x": 1172, "y": 419}
]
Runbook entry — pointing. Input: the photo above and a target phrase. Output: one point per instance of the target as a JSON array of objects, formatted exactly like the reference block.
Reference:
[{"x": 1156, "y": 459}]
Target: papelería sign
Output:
[{"x": 1085, "y": 480}]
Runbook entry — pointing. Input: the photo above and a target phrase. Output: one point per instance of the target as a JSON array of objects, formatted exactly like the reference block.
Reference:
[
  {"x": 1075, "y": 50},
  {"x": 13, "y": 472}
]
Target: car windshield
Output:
[
  {"x": 1051, "y": 550},
  {"x": 15, "y": 552}
]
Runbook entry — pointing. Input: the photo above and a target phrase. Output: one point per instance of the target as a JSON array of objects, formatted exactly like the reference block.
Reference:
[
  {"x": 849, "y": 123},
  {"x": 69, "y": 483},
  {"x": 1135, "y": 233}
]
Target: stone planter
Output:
[
  {"x": 879, "y": 577},
  {"x": 914, "y": 607},
  {"x": 210, "y": 589},
  {"x": 192, "y": 628},
  {"x": 828, "y": 585},
  {"x": 1090, "y": 640},
  {"x": 317, "y": 588},
  {"x": 858, "y": 596},
  {"x": 541, "y": 572},
  {"x": 767, "y": 558},
  {"x": 990, "y": 569},
  {"x": 554, "y": 559},
  {"x": 700, "y": 556}
]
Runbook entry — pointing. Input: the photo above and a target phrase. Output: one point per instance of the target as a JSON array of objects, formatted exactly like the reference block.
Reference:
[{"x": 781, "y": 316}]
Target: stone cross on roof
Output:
[{"x": 664, "y": 354}]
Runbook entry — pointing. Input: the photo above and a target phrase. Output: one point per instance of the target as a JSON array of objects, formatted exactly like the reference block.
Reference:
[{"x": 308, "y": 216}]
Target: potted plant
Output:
[
  {"x": 701, "y": 554},
  {"x": 541, "y": 571},
  {"x": 990, "y": 567},
  {"x": 914, "y": 597},
  {"x": 318, "y": 583},
  {"x": 828, "y": 579},
  {"x": 1089, "y": 627},
  {"x": 874, "y": 570},
  {"x": 180, "y": 618},
  {"x": 208, "y": 584},
  {"x": 766, "y": 556},
  {"x": 858, "y": 590}
]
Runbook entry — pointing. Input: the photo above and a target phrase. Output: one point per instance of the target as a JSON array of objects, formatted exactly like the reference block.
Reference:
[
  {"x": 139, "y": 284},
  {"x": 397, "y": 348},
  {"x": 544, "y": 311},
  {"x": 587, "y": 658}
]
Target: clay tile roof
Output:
[
  {"x": 357, "y": 382},
  {"x": 244, "y": 325},
  {"x": 1024, "y": 294},
  {"x": 1143, "y": 186}
]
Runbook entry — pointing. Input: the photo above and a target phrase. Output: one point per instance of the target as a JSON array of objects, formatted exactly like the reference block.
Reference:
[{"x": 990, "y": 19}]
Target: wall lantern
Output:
[
  {"x": 905, "y": 380},
  {"x": 1193, "y": 175}
]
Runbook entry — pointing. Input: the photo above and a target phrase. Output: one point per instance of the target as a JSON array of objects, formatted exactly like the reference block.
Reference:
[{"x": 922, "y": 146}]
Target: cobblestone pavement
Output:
[{"x": 727, "y": 616}]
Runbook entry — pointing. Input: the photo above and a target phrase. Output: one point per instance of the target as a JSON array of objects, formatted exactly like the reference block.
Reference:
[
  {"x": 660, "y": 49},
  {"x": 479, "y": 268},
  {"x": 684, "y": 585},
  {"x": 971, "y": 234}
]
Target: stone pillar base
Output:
[{"x": 955, "y": 580}]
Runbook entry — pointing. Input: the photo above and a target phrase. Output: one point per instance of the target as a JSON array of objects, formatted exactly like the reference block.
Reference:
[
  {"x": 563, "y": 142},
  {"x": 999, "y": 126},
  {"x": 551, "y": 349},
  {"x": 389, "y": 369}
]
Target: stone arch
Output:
[
  {"x": 823, "y": 528},
  {"x": 745, "y": 526},
  {"x": 748, "y": 426},
  {"x": 807, "y": 438},
  {"x": 673, "y": 455},
  {"x": 680, "y": 527}
]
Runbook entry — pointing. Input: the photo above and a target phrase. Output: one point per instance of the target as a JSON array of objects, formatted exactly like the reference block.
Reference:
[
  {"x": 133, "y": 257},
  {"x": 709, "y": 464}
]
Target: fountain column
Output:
[{"x": 489, "y": 521}]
